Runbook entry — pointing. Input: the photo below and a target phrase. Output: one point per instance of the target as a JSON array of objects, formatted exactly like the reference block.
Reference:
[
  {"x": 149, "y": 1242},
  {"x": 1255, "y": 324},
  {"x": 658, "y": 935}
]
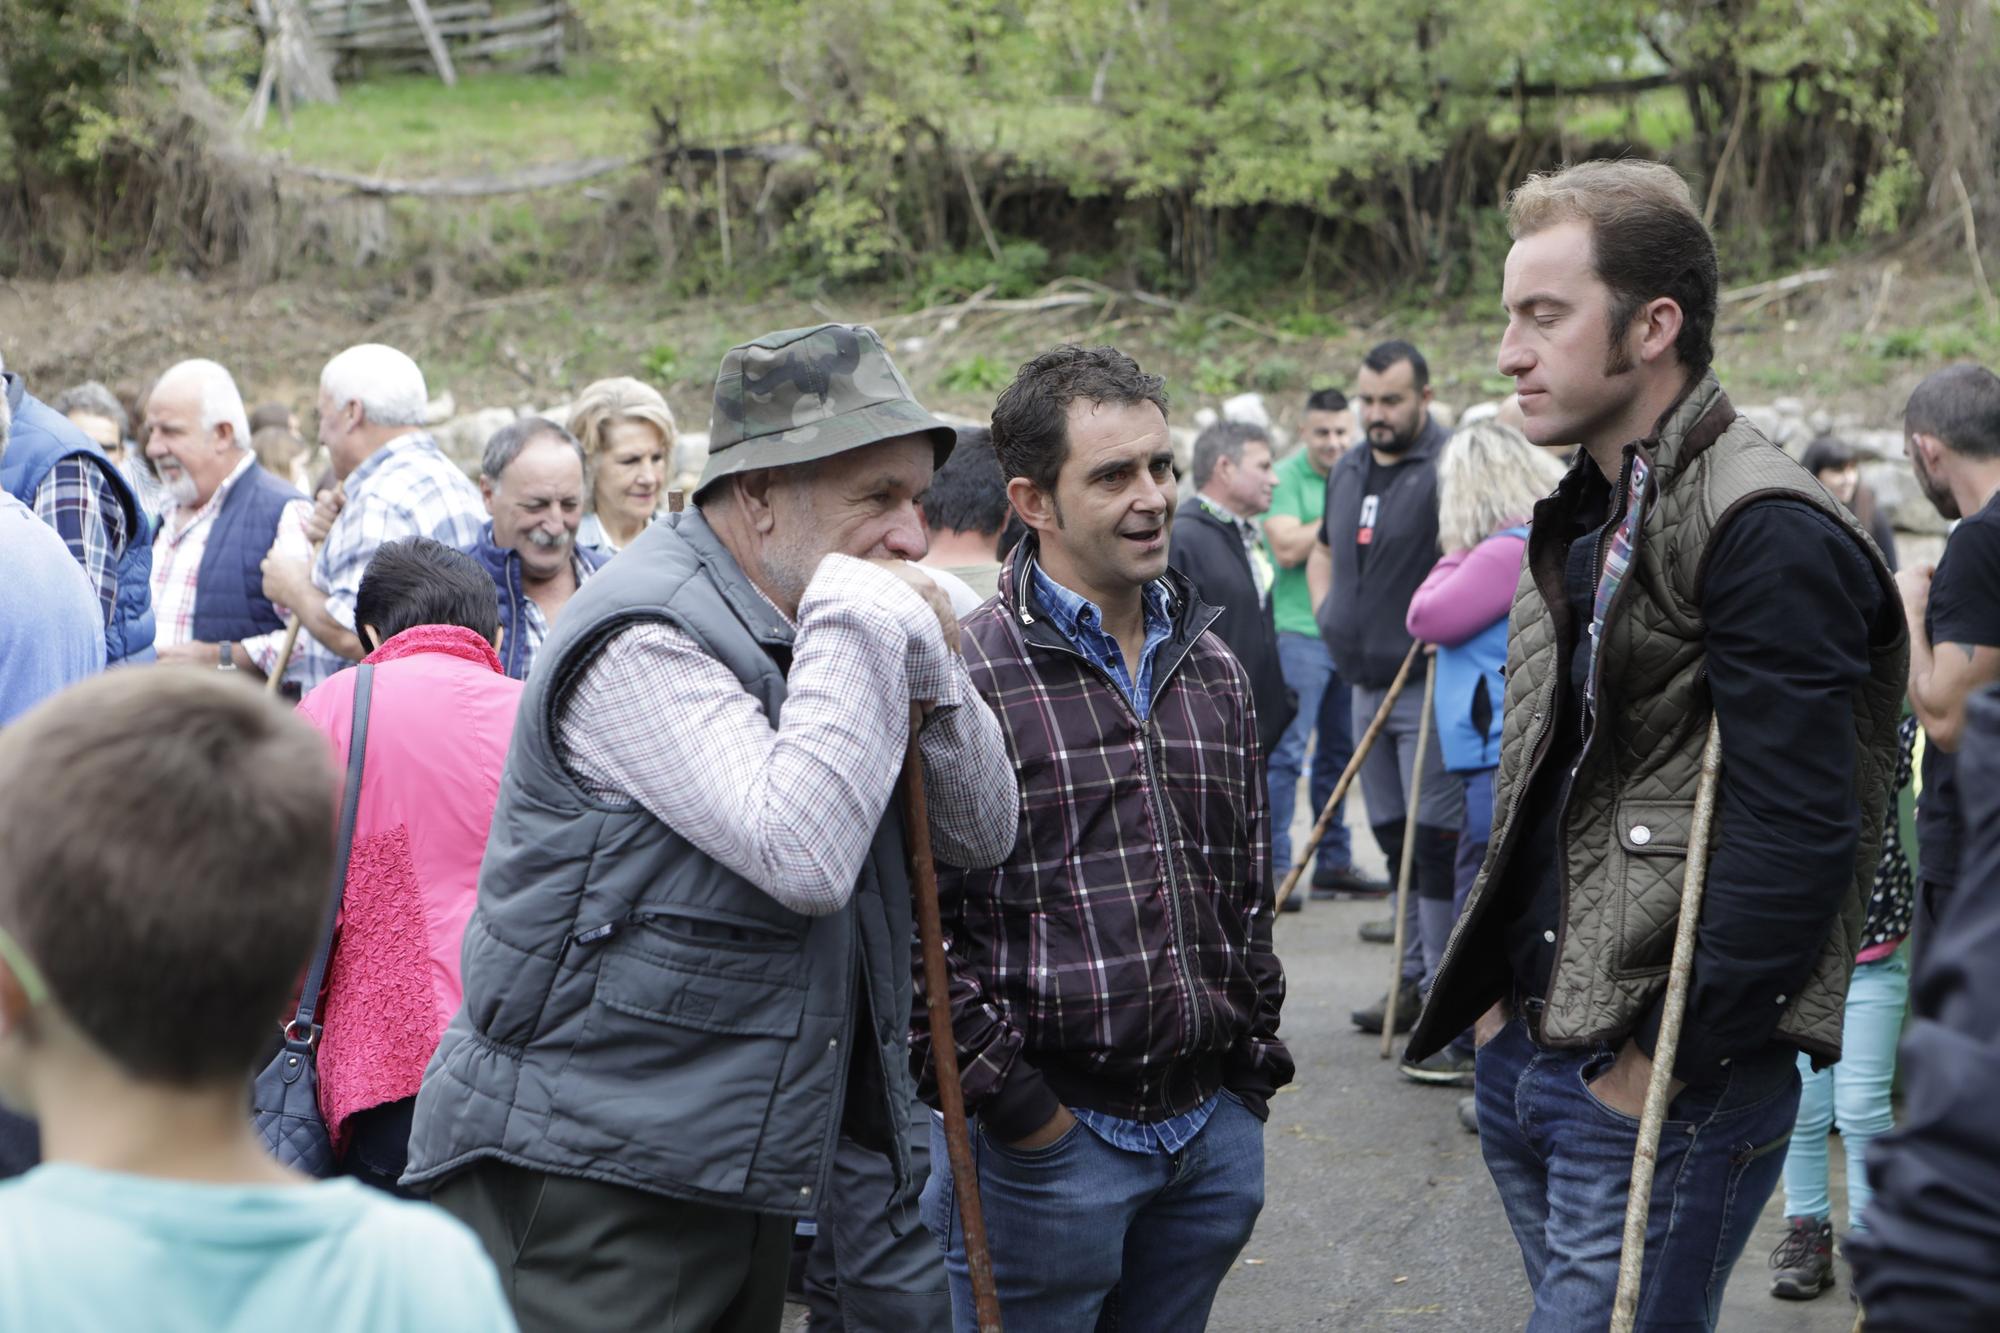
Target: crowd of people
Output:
[{"x": 623, "y": 1022}]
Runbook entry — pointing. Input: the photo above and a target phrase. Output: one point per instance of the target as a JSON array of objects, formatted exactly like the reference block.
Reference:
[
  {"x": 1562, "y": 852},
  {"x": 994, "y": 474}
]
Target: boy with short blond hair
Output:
[{"x": 141, "y": 979}]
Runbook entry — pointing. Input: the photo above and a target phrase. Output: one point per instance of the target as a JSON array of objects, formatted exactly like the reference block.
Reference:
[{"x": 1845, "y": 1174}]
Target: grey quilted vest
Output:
[
  {"x": 635, "y": 1013},
  {"x": 1631, "y": 803}
]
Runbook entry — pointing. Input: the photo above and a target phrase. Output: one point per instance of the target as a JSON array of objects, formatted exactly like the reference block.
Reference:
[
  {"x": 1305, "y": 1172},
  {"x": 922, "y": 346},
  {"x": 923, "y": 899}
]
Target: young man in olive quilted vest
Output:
[{"x": 1685, "y": 568}]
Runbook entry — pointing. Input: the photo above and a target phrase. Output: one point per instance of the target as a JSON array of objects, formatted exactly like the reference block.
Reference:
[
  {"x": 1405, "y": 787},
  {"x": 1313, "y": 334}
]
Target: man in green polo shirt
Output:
[{"x": 1290, "y": 529}]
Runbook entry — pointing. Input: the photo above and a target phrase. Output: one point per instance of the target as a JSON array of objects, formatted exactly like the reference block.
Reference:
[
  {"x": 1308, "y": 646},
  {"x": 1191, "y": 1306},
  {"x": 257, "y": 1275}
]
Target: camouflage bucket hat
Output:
[{"x": 806, "y": 394}]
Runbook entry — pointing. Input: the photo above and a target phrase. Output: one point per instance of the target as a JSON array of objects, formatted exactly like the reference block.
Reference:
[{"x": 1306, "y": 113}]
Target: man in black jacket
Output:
[
  {"x": 1926, "y": 1260},
  {"x": 1377, "y": 543},
  {"x": 1215, "y": 544}
]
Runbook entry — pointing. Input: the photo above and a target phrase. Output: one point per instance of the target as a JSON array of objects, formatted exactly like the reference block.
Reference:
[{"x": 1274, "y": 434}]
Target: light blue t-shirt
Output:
[{"x": 88, "y": 1251}]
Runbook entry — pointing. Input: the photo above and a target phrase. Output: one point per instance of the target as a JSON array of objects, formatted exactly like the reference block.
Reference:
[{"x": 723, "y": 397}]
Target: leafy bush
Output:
[{"x": 979, "y": 374}]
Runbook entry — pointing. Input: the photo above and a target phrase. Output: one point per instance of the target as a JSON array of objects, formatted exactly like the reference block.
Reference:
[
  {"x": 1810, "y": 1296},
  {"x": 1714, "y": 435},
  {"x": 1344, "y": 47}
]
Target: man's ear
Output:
[
  {"x": 753, "y": 492},
  {"x": 1036, "y": 506},
  {"x": 15, "y": 1005},
  {"x": 1659, "y": 327},
  {"x": 486, "y": 493}
]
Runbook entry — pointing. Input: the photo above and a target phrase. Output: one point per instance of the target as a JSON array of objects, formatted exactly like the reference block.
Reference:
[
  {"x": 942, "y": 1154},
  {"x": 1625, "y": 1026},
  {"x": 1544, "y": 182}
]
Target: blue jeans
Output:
[
  {"x": 1323, "y": 704},
  {"x": 1084, "y": 1235},
  {"x": 1854, "y": 1092},
  {"x": 1563, "y": 1163}
]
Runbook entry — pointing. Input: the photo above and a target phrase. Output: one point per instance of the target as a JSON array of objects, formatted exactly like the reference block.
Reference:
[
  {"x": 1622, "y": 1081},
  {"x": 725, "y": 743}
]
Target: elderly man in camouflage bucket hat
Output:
[{"x": 688, "y": 974}]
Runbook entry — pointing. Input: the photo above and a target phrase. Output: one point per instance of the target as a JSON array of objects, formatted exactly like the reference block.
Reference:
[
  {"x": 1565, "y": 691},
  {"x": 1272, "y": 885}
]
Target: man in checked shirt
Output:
[
  {"x": 1114, "y": 994},
  {"x": 688, "y": 974}
]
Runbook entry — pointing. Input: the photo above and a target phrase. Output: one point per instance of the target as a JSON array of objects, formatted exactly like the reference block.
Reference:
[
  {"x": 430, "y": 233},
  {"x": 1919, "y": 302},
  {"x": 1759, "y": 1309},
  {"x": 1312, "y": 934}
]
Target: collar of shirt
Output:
[
  {"x": 172, "y": 530},
  {"x": 375, "y": 462},
  {"x": 1261, "y": 567},
  {"x": 1080, "y": 621}
]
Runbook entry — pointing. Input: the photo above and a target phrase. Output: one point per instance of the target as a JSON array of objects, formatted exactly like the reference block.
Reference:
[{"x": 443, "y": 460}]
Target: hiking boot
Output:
[
  {"x": 1803, "y": 1260},
  {"x": 1346, "y": 882},
  {"x": 1448, "y": 1068},
  {"x": 1378, "y": 932},
  {"x": 1468, "y": 1114},
  {"x": 1408, "y": 1003}
]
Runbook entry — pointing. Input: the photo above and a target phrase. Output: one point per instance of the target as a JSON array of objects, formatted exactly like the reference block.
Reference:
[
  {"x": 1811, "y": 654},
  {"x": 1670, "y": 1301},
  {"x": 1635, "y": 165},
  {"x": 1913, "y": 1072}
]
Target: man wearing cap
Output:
[{"x": 688, "y": 974}]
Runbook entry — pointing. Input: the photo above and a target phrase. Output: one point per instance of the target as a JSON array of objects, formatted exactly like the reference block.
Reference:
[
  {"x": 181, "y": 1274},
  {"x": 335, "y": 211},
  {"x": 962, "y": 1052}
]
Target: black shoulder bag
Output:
[{"x": 284, "y": 1102}]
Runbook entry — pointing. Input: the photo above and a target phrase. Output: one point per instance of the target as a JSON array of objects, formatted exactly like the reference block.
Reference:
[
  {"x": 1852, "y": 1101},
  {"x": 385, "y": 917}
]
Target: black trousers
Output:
[{"x": 577, "y": 1256}]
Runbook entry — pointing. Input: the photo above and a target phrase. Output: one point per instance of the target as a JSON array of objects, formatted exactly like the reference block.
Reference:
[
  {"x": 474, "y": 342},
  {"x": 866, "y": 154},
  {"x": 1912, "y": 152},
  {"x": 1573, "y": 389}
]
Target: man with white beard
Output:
[
  {"x": 223, "y": 515},
  {"x": 532, "y": 478}
]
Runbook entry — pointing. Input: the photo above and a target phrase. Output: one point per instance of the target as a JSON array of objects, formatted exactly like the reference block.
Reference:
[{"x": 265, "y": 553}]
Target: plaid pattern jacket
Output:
[{"x": 1119, "y": 959}]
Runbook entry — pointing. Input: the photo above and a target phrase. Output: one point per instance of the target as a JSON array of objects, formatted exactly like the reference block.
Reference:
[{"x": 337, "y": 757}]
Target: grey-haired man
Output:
[{"x": 688, "y": 974}]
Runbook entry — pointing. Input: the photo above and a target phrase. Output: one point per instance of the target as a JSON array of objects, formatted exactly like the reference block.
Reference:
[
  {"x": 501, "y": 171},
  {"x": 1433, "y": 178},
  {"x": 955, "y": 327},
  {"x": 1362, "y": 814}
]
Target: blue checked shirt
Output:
[
  {"x": 1082, "y": 623},
  {"x": 407, "y": 488},
  {"x": 78, "y": 501}
]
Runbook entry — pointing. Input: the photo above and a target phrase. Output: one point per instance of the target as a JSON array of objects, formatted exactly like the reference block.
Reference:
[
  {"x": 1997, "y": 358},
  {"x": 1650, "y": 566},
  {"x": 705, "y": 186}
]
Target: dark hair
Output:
[
  {"x": 175, "y": 945},
  {"x": 419, "y": 581},
  {"x": 1330, "y": 400},
  {"x": 1647, "y": 241},
  {"x": 1961, "y": 406},
  {"x": 1031, "y": 419},
  {"x": 968, "y": 494},
  {"x": 1827, "y": 453},
  {"x": 1384, "y": 355},
  {"x": 1224, "y": 439},
  {"x": 505, "y": 445},
  {"x": 268, "y": 415}
]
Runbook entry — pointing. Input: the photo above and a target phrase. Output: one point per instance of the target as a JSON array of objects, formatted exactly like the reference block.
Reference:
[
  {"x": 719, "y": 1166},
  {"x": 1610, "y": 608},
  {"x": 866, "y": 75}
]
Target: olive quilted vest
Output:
[{"x": 1632, "y": 800}]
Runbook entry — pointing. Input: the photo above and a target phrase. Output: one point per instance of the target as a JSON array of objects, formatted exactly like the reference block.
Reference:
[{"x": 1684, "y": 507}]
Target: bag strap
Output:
[{"x": 305, "y": 1024}]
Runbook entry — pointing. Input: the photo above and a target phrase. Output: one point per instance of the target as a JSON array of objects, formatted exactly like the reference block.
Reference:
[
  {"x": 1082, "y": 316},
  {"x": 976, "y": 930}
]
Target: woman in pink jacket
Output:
[
  {"x": 442, "y": 713},
  {"x": 1489, "y": 478}
]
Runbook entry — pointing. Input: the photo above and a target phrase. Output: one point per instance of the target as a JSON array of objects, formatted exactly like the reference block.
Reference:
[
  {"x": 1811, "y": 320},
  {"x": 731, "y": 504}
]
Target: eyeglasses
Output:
[{"x": 24, "y": 969}]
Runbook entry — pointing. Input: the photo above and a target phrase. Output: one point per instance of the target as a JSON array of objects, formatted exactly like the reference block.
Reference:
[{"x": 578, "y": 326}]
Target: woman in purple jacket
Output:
[{"x": 1489, "y": 478}]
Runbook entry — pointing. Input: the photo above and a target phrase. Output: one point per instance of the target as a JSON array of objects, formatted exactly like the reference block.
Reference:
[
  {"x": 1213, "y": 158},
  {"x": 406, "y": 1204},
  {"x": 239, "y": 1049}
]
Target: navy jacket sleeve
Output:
[
  {"x": 1790, "y": 600},
  {"x": 1927, "y": 1259}
]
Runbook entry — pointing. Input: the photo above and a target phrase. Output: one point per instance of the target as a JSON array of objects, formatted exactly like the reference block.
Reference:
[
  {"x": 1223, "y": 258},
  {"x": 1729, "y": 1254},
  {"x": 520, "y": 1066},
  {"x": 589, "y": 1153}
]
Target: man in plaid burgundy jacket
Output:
[{"x": 1114, "y": 994}]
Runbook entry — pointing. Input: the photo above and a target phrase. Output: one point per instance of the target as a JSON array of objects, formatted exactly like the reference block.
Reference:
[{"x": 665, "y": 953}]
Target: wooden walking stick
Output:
[
  {"x": 275, "y": 681},
  {"x": 944, "y": 1048},
  {"x": 1646, "y": 1155},
  {"x": 1346, "y": 779},
  {"x": 1409, "y": 851}
]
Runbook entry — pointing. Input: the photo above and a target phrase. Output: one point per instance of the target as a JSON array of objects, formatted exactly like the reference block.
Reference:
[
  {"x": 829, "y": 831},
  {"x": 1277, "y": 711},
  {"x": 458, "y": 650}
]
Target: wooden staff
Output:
[
  {"x": 944, "y": 1047},
  {"x": 1346, "y": 779},
  {"x": 275, "y": 681},
  {"x": 1409, "y": 851},
  {"x": 1646, "y": 1154}
]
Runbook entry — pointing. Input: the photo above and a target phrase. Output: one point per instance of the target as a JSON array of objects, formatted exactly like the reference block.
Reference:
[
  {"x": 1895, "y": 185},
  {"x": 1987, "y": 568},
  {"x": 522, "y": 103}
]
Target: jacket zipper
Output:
[{"x": 1183, "y": 977}]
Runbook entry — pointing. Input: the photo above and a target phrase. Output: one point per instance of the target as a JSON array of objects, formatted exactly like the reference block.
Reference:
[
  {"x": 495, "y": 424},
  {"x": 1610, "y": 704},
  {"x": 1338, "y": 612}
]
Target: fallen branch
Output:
[
  {"x": 1778, "y": 286},
  {"x": 552, "y": 176}
]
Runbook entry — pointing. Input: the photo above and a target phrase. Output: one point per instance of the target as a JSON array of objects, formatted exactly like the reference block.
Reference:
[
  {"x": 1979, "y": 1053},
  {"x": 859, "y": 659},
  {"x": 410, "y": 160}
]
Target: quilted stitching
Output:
[{"x": 1625, "y": 902}]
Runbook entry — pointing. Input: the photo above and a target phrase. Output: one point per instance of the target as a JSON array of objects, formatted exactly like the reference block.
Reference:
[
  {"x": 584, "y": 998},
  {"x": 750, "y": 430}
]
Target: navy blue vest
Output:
[
  {"x": 42, "y": 438},
  {"x": 229, "y": 601}
]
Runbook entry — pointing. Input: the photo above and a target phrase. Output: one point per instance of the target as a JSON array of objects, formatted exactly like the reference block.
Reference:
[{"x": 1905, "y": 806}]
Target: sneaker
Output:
[
  {"x": 1448, "y": 1068},
  {"x": 1468, "y": 1114},
  {"x": 1407, "y": 1006},
  {"x": 1378, "y": 932},
  {"x": 1803, "y": 1259},
  {"x": 1346, "y": 882}
]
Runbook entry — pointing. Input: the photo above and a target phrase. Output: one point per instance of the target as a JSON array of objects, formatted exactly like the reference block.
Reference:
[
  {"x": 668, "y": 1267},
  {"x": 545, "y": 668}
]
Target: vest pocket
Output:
[
  {"x": 677, "y": 1062},
  {"x": 1647, "y": 863}
]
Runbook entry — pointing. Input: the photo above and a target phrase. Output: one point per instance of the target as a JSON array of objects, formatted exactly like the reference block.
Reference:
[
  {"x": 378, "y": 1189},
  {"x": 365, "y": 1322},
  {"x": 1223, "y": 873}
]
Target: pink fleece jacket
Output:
[
  {"x": 1466, "y": 592},
  {"x": 441, "y": 716}
]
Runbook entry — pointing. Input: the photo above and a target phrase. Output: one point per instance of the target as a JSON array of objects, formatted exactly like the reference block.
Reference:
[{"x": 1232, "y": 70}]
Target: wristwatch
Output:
[{"x": 226, "y": 650}]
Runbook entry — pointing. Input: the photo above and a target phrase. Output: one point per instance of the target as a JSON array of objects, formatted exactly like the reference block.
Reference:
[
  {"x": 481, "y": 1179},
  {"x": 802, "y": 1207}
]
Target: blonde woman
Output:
[
  {"x": 1489, "y": 478},
  {"x": 628, "y": 433}
]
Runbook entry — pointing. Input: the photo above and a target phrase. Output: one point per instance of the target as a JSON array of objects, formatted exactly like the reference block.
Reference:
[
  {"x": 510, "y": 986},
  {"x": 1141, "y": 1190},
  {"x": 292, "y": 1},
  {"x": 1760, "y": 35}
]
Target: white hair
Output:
[
  {"x": 220, "y": 399},
  {"x": 384, "y": 381}
]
